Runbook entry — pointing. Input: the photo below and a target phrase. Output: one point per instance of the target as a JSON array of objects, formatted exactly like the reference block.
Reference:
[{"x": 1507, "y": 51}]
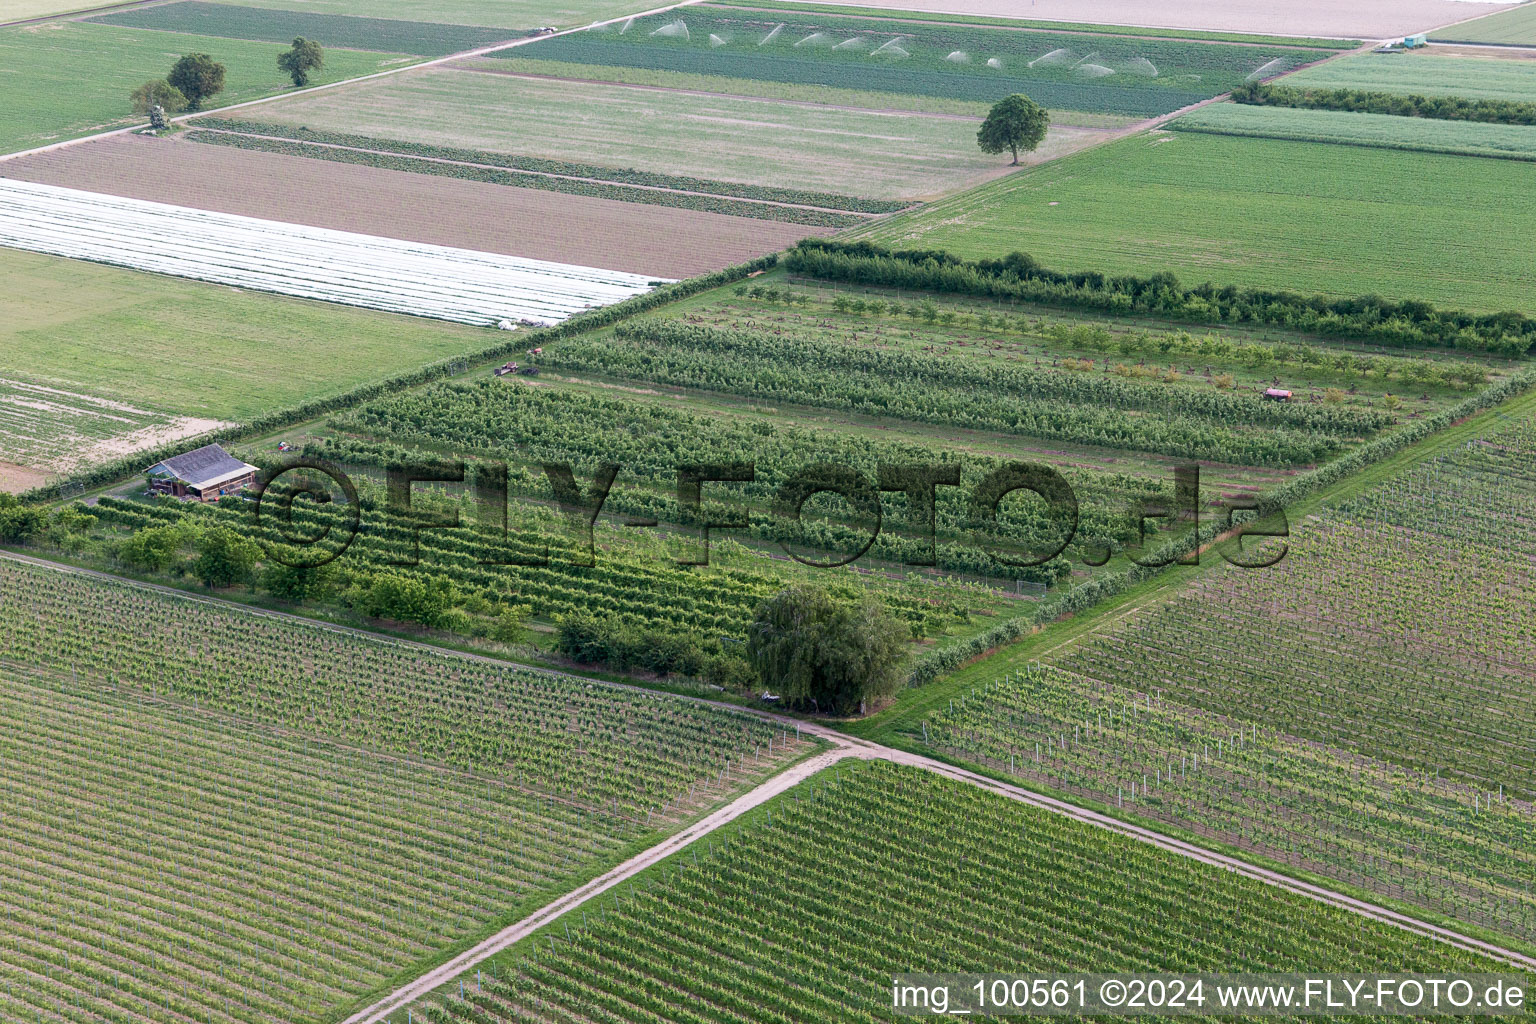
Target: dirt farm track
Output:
[
  {"x": 664, "y": 241},
  {"x": 1366, "y": 19}
]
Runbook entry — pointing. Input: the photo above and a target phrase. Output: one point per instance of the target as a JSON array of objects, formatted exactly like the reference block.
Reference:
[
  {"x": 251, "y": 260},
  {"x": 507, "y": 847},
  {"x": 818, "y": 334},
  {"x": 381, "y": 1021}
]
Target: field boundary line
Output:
[
  {"x": 479, "y": 51},
  {"x": 843, "y": 745}
]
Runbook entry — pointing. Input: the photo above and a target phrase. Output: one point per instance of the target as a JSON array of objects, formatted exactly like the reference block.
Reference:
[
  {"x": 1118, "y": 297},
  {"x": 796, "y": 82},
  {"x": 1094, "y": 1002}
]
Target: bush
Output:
[
  {"x": 828, "y": 657},
  {"x": 158, "y": 93}
]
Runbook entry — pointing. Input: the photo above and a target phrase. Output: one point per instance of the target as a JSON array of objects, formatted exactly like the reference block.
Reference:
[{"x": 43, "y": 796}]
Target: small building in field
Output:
[
  {"x": 1277, "y": 395},
  {"x": 206, "y": 474}
]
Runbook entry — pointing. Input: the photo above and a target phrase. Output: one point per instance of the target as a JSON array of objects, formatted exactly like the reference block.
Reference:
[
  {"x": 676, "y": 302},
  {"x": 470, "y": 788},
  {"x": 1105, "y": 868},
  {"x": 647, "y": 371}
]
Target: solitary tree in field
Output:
[
  {"x": 826, "y": 655},
  {"x": 158, "y": 93},
  {"x": 197, "y": 76},
  {"x": 1016, "y": 123},
  {"x": 305, "y": 56}
]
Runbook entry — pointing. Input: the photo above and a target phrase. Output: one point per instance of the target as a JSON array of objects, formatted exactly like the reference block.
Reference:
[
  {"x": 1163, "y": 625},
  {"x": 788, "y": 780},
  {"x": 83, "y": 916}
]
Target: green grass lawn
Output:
[
  {"x": 197, "y": 349},
  {"x": 517, "y": 14},
  {"x": 19, "y": 10},
  {"x": 1310, "y": 217},
  {"x": 1384, "y": 131},
  {"x": 1515, "y": 28},
  {"x": 760, "y": 142},
  {"x": 1424, "y": 74},
  {"x": 61, "y": 80}
]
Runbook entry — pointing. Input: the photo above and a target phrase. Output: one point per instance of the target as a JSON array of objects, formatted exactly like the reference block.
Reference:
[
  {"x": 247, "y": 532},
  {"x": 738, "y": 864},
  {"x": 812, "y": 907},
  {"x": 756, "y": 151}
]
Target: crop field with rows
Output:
[
  {"x": 763, "y": 925},
  {"x": 1381, "y": 131},
  {"x": 1071, "y": 71},
  {"x": 1424, "y": 74},
  {"x": 758, "y": 142},
  {"x": 55, "y": 430},
  {"x": 1349, "y": 711},
  {"x": 641, "y": 586},
  {"x": 1299, "y": 216},
  {"x": 74, "y": 88},
  {"x": 1514, "y": 27},
  {"x": 475, "y": 211},
  {"x": 650, "y": 439},
  {"x": 237, "y": 21},
  {"x": 509, "y": 14},
  {"x": 440, "y": 282},
  {"x": 326, "y": 809}
]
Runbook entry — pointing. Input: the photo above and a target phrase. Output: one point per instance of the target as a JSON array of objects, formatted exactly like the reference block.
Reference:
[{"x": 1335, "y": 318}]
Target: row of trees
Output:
[
  {"x": 197, "y": 77},
  {"x": 1019, "y": 276},
  {"x": 1361, "y": 101}
]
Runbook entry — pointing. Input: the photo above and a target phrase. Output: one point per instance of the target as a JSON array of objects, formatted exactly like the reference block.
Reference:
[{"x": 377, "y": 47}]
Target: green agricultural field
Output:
[
  {"x": 881, "y": 156},
  {"x": 874, "y": 9},
  {"x": 1424, "y": 74},
  {"x": 232, "y": 21},
  {"x": 761, "y": 921},
  {"x": 1381, "y": 131},
  {"x": 794, "y": 92},
  {"x": 67, "y": 79},
  {"x": 289, "y": 817},
  {"x": 509, "y": 14},
  {"x": 1510, "y": 28},
  {"x": 1300, "y": 216},
  {"x": 21, "y": 10},
  {"x": 195, "y": 349},
  {"x": 1104, "y": 74},
  {"x": 1360, "y": 709}
]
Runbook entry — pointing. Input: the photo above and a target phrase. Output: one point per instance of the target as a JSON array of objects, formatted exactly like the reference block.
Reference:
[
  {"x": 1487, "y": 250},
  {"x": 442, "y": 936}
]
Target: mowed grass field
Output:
[
  {"x": 1511, "y": 28},
  {"x": 1422, "y": 74},
  {"x": 875, "y": 155},
  {"x": 516, "y": 14},
  {"x": 1302, "y": 216},
  {"x": 61, "y": 80},
  {"x": 20, "y": 10},
  {"x": 1384, "y": 131},
  {"x": 193, "y": 348},
  {"x": 428, "y": 39}
]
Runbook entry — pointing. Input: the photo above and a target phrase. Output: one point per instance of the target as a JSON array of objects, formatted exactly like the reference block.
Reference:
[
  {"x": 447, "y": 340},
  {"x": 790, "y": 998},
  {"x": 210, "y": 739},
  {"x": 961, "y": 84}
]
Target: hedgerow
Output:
[
  {"x": 1361, "y": 101},
  {"x": 1018, "y": 276}
]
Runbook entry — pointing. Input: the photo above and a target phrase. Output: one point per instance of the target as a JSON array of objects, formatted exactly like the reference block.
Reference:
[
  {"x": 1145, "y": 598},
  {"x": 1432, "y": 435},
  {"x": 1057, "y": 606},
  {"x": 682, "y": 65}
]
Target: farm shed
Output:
[{"x": 207, "y": 474}]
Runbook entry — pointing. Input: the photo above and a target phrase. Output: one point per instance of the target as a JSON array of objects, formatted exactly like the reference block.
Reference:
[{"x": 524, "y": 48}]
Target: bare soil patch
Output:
[
  {"x": 14, "y": 479},
  {"x": 535, "y": 224}
]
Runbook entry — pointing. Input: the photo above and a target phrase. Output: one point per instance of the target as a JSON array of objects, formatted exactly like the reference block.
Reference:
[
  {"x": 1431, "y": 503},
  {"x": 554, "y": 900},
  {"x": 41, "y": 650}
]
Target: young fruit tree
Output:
[
  {"x": 305, "y": 56},
  {"x": 827, "y": 656},
  {"x": 1016, "y": 123},
  {"x": 197, "y": 76}
]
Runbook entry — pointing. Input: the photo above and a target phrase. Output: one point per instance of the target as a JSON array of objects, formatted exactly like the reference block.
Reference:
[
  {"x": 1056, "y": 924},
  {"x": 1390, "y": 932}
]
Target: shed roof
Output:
[{"x": 203, "y": 467}]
